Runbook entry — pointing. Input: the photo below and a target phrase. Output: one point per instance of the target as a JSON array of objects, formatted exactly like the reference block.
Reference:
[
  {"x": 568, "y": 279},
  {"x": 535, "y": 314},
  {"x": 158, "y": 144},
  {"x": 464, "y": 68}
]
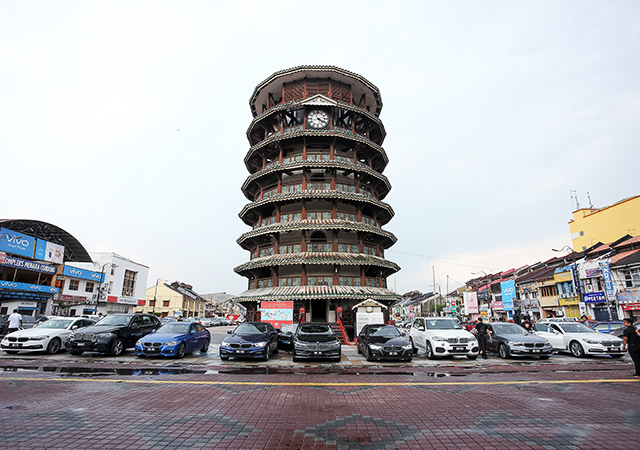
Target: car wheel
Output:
[
  {"x": 182, "y": 350},
  {"x": 117, "y": 347},
  {"x": 267, "y": 353},
  {"x": 576, "y": 349},
  {"x": 472, "y": 357},
  {"x": 54, "y": 346},
  {"x": 205, "y": 346},
  {"x": 413, "y": 347},
  {"x": 429, "y": 350},
  {"x": 504, "y": 352},
  {"x": 367, "y": 354},
  {"x": 76, "y": 352}
]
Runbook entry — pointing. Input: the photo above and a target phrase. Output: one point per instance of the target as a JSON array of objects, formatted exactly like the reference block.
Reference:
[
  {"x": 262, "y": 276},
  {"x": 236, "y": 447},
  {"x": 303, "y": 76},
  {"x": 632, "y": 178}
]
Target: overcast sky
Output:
[{"x": 124, "y": 123}]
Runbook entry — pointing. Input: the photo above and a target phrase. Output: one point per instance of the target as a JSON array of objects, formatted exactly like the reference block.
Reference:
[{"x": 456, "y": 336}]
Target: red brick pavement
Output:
[{"x": 505, "y": 407}]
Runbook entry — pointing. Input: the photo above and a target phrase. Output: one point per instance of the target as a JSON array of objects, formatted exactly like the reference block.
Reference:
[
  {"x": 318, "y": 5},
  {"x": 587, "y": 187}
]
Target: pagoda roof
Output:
[
  {"x": 317, "y": 293},
  {"x": 340, "y": 258}
]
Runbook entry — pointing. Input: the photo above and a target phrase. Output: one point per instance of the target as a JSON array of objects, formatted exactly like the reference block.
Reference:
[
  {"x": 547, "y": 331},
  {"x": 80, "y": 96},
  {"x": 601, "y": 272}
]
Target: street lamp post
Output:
[{"x": 113, "y": 266}]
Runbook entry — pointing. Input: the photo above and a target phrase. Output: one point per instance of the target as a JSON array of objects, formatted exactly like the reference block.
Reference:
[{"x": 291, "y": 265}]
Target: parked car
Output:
[
  {"x": 510, "y": 339},
  {"x": 113, "y": 334},
  {"x": 28, "y": 321},
  {"x": 168, "y": 319},
  {"x": 607, "y": 327},
  {"x": 384, "y": 342},
  {"x": 315, "y": 340},
  {"x": 4, "y": 324},
  {"x": 174, "y": 339},
  {"x": 579, "y": 340},
  {"x": 41, "y": 319},
  {"x": 51, "y": 335},
  {"x": 442, "y": 336},
  {"x": 285, "y": 335},
  {"x": 250, "y": 339},
  {"x": 206, "y": 322},
  {"x": 618, "y": 332}
]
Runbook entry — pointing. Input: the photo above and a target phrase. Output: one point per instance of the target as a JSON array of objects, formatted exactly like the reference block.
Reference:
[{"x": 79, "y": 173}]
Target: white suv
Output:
[{"x": 441, "y": 336}]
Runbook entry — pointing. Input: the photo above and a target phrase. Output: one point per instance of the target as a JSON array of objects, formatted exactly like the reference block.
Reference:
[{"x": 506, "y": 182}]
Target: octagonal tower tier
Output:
[{"x": 316, "y": 189}]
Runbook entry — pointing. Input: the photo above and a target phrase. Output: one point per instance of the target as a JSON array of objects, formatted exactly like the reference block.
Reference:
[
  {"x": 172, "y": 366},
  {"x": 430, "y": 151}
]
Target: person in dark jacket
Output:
[
  {"x": 631, "y": 342},
  {"x": 482, "y": 333}
]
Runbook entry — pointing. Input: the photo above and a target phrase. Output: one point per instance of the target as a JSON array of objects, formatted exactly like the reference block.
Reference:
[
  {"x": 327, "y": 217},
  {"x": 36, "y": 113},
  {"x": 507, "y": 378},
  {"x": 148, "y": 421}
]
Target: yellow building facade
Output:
[
  {"x": 172, "y": 300},
  {"x": 590, "y": 226}
]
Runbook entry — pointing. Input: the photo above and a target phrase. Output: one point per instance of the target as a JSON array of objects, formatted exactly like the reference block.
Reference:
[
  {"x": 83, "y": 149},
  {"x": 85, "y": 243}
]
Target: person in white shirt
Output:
[{"x": 15, "y": 322}]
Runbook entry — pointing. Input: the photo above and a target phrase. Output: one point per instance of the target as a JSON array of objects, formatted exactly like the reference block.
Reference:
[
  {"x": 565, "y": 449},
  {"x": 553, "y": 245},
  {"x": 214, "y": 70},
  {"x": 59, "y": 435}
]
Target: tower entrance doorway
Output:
[{"x": 318, "y": 311}]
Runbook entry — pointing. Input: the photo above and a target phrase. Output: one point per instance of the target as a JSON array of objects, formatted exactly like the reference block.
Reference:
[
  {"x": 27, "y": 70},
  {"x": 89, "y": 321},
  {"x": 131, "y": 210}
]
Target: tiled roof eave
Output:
[
  {"x": 317, "y": 293},
  {"x": 316, "y": 195},
  {"x": 275, "y": 167},
  {"x": 330, "y": 133},
  {"x": 298, "y": 225},
  {"x": 321, "y": 258}
]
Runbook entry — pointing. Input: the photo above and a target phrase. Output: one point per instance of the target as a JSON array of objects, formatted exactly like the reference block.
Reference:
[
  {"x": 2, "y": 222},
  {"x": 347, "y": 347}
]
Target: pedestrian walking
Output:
[
  {"x": 527, "y": 324},
  {"x": 482, "y": 334},
  {"x": 631, "y": 342},
  {"x": 15, "y": 322}
]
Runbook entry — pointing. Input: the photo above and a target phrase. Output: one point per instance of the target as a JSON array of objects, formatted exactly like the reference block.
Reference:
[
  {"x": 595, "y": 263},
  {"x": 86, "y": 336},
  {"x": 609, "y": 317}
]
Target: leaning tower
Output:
[{"x": 316, "y": 189}]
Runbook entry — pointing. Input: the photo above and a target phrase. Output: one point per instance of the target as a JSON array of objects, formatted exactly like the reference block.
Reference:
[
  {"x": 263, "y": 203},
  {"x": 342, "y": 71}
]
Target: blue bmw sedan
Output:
[{"x": 175, "y": 339}]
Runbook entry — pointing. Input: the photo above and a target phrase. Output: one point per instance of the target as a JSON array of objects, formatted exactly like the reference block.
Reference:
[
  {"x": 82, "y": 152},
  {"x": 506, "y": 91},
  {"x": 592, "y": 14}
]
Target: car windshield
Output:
[
  {"x": 449, "y": 324},
  {"x": 384, "y": 331},
  {"x": 574, "y": 328},
  {"x": 174, "y": 328},
  {"x": 315, "y": 328},
  {"x": 55, "y": 323},
  {"x": 509, "y": 328},
  {"x": 247, "y": 329},
  {"x": 114, "y": 320}
]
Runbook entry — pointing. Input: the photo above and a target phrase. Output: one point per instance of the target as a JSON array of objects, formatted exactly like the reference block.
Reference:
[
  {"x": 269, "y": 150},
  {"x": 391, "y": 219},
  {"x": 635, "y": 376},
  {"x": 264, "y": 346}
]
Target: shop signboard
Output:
[
  {"x": 608, "y": 281},
  {"x": 29, "y": 265},
  {"x": 276, "y": 313},
  {"x": 48, "y": 251},
  {"x": 631, "y": 306},
  {"x": 14, "y": 285},
  {"x": 629, "y": 296},
  {"x": 17, "y": 243},
  {"x": 594, "y": 297},
  {"x": 82, "y": 274},
  {"x": 470, "y": 302},
  {"x": 508, "y": 289}
]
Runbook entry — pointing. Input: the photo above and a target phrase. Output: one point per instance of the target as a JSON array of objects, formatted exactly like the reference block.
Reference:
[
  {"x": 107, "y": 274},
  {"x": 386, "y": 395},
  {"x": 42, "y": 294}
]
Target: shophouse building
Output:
[
  {"x": 32, "y": 257},
  {"x": 122, "y": 285},
  {"x": 176, "y": 299},
  {"x": 590, "y": 225},
  {"x": 316, "y": 190}
]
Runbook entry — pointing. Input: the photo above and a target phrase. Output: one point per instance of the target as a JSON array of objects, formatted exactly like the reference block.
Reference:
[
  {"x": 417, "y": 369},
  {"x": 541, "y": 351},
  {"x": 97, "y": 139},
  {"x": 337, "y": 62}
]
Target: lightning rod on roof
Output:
[{"x": 574, "y": 196}]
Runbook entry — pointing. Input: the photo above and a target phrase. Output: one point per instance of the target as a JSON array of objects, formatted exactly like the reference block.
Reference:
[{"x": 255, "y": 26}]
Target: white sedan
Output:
[
  {"x": 49, "y": 336},
  {"x": 579, "y": 339}
]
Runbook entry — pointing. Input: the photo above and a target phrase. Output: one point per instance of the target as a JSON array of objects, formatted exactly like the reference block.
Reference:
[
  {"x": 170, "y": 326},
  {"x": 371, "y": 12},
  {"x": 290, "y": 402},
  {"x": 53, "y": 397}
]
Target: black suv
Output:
[{"x": 113, "y": 334}]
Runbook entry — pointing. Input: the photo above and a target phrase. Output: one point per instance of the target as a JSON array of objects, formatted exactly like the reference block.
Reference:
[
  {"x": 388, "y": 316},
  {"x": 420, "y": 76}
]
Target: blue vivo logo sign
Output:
[
  {"x": 83, "y": 274},
  {"x": 28, "y": 287},
  {"x": 16, "y": 243},
  {"x": 508, "y": 289}
]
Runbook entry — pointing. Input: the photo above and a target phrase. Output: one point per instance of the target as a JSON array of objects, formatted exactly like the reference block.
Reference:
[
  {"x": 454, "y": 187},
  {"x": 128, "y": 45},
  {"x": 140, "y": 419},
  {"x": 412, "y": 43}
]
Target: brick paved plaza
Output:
[{"x": 86, "y": 403}]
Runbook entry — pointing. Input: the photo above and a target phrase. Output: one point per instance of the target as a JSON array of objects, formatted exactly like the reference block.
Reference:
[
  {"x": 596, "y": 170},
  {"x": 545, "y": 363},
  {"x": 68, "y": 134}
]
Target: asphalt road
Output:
[{"x": 96, "y": 402}]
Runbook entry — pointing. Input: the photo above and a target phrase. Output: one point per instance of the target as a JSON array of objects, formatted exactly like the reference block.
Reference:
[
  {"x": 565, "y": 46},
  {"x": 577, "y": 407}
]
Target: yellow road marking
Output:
[{"x": 277, "y": 383}]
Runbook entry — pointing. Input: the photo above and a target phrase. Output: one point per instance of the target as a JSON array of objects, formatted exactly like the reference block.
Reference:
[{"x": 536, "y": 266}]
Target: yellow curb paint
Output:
[{"x": 262, "y": 383}]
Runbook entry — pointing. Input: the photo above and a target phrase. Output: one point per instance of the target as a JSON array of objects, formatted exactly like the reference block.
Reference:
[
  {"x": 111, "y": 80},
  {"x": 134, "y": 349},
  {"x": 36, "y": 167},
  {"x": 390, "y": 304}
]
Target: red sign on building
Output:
[{"x": 277, "y": 313}]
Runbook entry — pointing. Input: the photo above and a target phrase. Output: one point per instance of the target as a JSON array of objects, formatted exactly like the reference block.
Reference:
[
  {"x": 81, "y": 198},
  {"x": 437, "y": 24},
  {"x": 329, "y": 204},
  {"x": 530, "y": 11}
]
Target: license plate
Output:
[
  {"x": 239, "y": 351},
  {"x": 13, "y": 344},
  {"x": 393, "y": 353},
  {"x": 80, "y": 344},
  {"x": 611, "y": 349},
  {"x": 459, "y": 348},
  {"x": 536, "y": 351},
  {"x": 317, "y": 353}
]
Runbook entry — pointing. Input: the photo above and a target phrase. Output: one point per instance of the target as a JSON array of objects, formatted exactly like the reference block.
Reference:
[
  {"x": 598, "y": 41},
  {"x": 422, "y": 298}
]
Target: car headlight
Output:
[
  {"x": 259, "y": 344},
  {"x": 38, "y": 338},
  {"x": 592, "y": 341},
  {"x": 439, "y": 338},
  {"x": 225, "y": 343},
  {"x": 407, "y": 347},
  {"x": 300, "y": 344},
  {"x": 375, "y": 346},
  {"x": 171, "y": 343},
  {"x": 516, "y": 343},
  {"x": 103, "y": 335},
  {"x": 139, "y": 343}
]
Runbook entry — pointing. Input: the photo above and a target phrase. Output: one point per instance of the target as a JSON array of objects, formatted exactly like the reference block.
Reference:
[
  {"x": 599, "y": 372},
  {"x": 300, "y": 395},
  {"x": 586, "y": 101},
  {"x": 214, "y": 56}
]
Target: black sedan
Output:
[
  {"x": 285, "y": 335},
  {"x": 384, "y": 342},
  {"x": 510, "y": 339},
  {"x": 315, "y": 341},
  {"x": 250, "y": 340}
]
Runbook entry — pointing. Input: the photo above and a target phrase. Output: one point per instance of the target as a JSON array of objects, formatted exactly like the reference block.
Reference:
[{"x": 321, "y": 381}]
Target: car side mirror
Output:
[
  {"x": 420, "y": 328},
  {"x": 228, "y": 331}
]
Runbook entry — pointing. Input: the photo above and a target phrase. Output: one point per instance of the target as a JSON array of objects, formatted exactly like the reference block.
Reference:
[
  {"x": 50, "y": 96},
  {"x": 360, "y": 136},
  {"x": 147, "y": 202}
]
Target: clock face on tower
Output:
[{"x": 318, "y": 118}]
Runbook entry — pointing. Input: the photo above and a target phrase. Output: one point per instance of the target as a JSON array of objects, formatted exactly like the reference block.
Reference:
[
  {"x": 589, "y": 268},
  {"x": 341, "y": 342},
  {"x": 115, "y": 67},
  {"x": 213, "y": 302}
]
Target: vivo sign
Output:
[
  {"x": 28, "y": 287},
  {"x": 16, "y": 243},
  {"x": 83, "y": 274}
]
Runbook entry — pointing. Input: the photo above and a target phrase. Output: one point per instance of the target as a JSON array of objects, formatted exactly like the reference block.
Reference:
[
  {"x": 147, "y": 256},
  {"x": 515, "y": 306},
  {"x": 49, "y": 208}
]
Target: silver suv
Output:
[{"x": 442, "y": 336}]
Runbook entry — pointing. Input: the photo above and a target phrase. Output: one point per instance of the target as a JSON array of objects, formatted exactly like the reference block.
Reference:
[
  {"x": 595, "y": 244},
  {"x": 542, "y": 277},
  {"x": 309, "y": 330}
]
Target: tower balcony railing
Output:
[
  {"x": 315, "y": 186},
  {"x": 297, "y": 128},
  {"x": 319, "y": 157},
  {"x": 315, "y": 247},
  {"x": 316, "y": 215}
]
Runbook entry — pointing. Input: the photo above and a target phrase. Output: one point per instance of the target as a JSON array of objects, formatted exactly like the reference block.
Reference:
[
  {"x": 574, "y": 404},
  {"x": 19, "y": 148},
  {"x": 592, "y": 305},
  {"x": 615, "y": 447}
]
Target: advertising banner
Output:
[
  {"x": 508, "y": 289},
  {"x": 630, "y": 296},
  {"x": 608, "y": 281},
  {"x": 49, "y": 251},
  {"x": 17, "y": 243},
  {"x": 594, "y": 297},
  {"x": 83, "y": 274},
  {"x": 471, "y": 302},
  {"x": 276, "y": 313},
  {"x": 28, "y": 287},
  {"x": 29, "y": 265}
]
